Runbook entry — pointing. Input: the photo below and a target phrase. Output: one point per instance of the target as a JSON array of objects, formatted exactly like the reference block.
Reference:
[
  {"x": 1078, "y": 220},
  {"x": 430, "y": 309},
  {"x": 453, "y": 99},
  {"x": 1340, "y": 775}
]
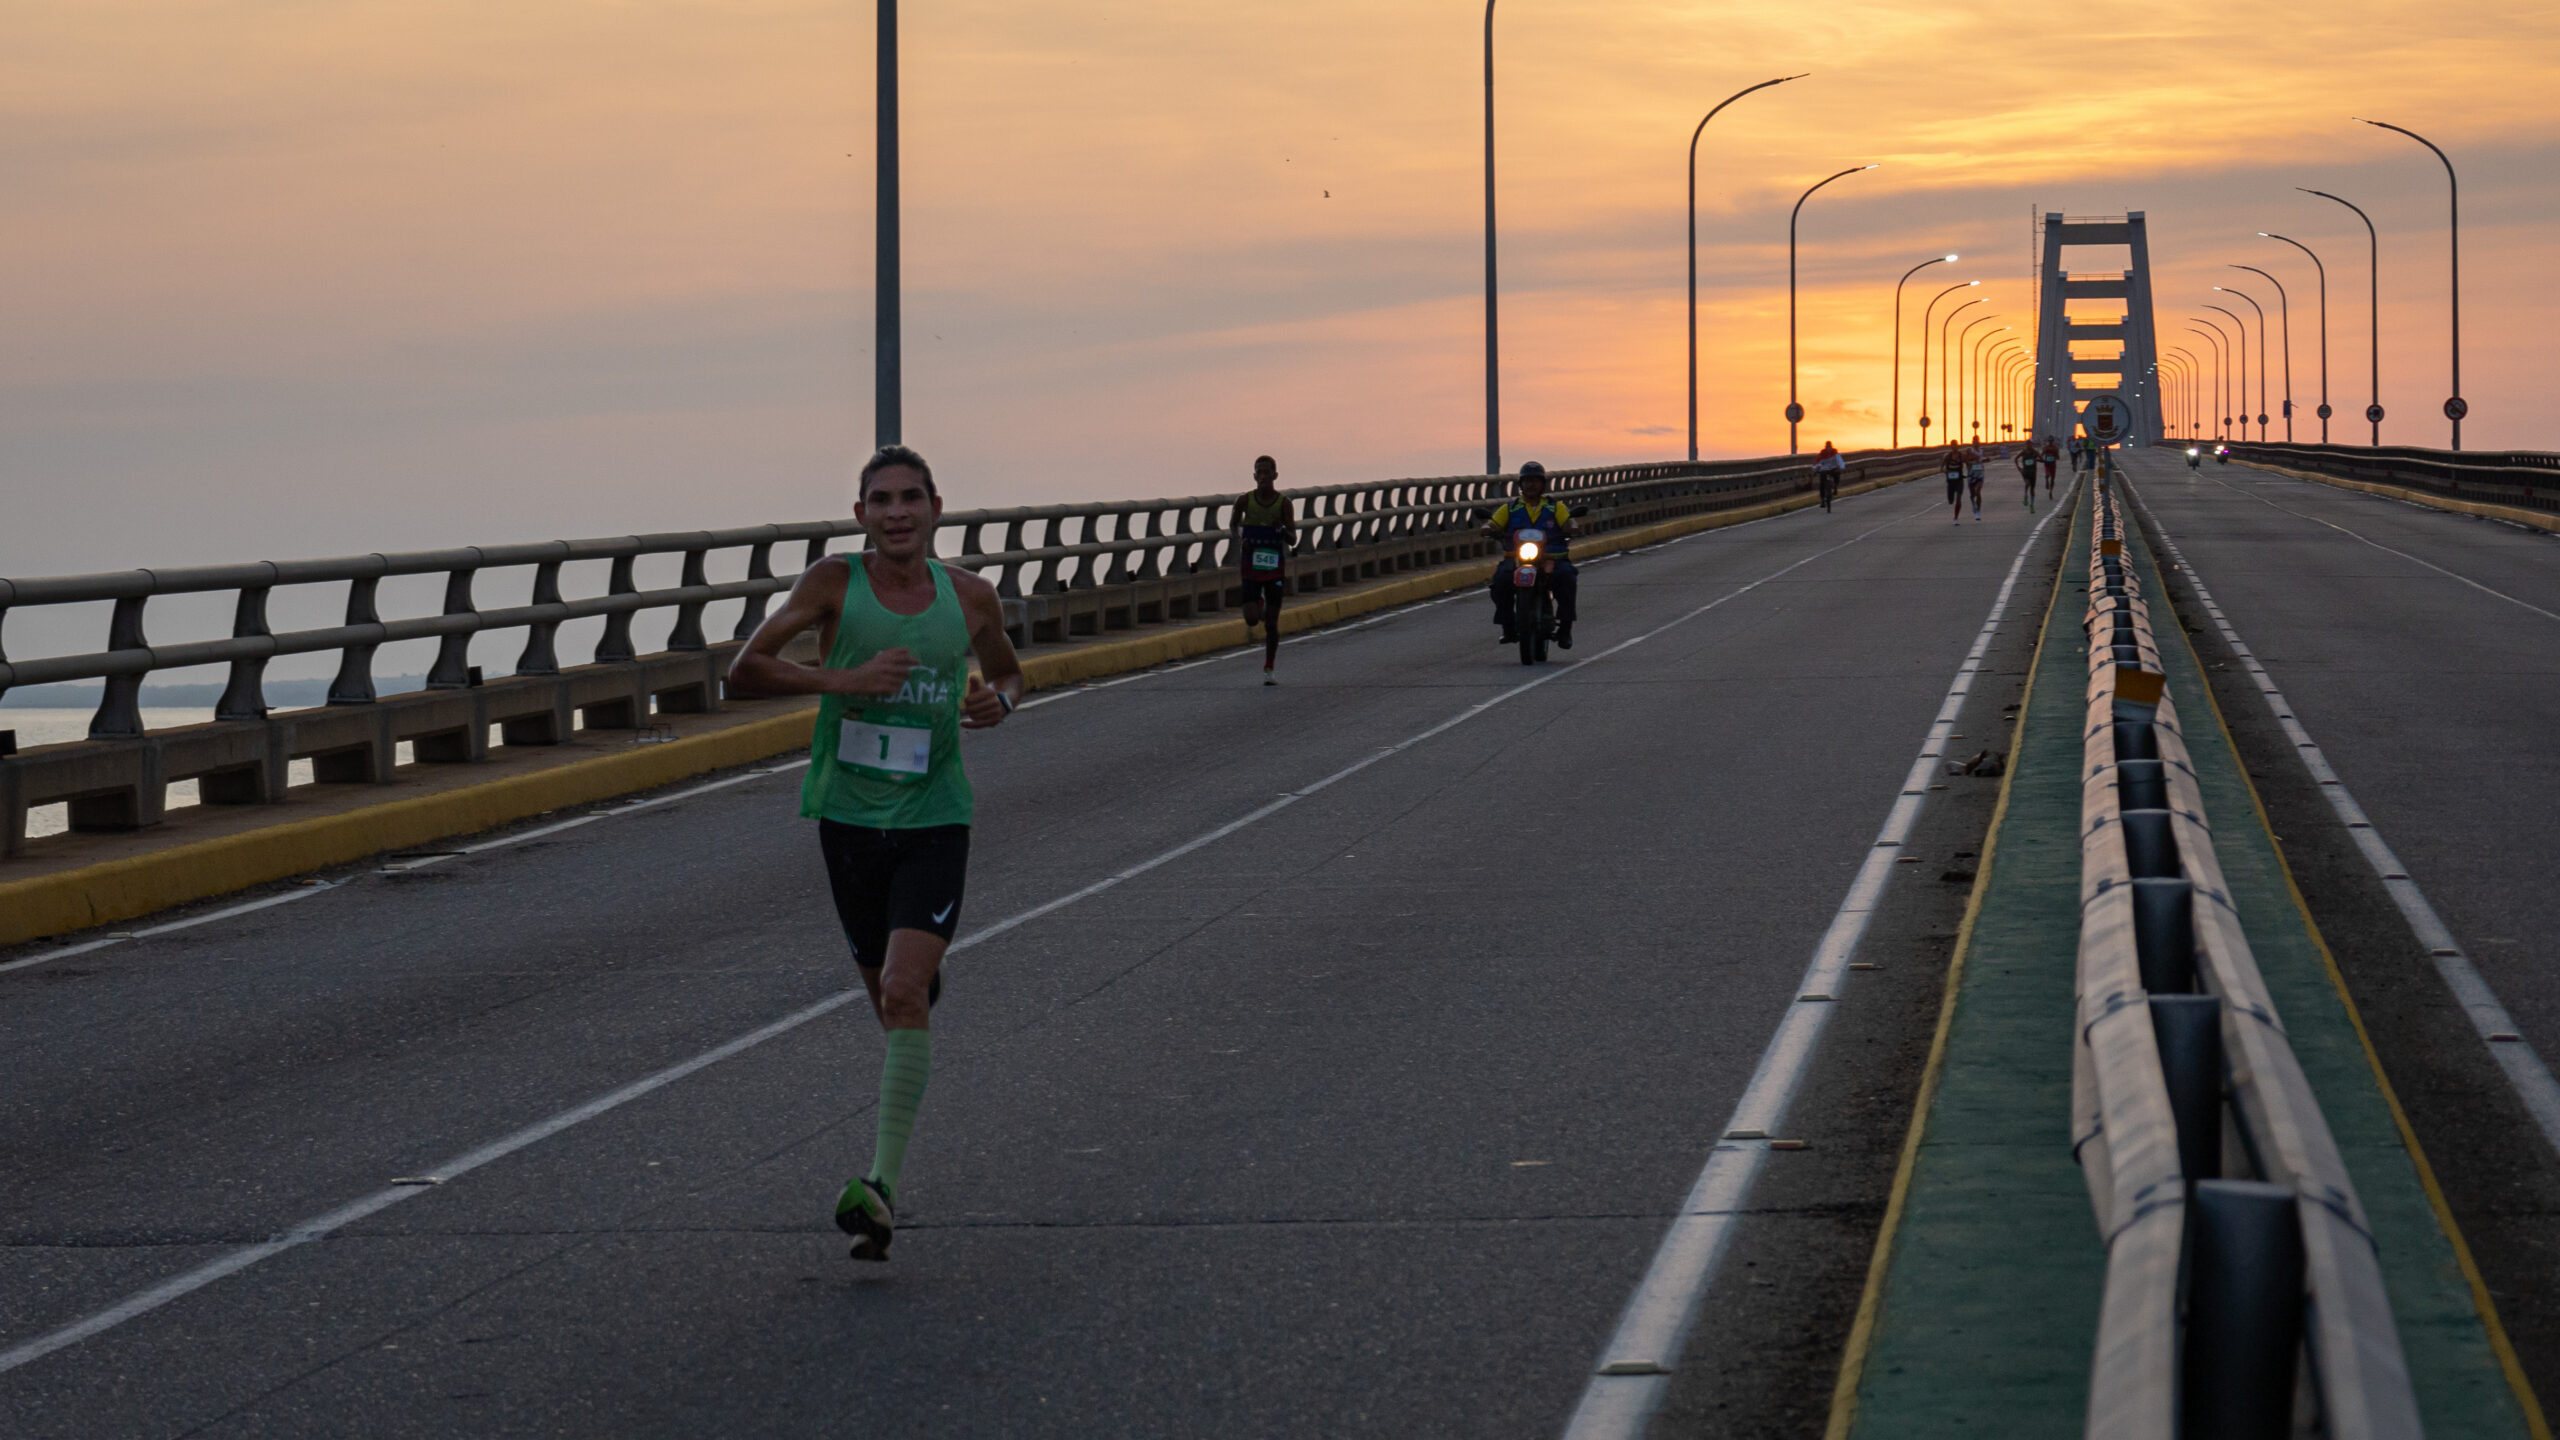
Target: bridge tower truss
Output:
[{"x": 2066, "y": 383}]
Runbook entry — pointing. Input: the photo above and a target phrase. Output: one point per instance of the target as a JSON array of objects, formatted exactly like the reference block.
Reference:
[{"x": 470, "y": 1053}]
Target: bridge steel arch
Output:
[{"x": 2132, "y": 373}]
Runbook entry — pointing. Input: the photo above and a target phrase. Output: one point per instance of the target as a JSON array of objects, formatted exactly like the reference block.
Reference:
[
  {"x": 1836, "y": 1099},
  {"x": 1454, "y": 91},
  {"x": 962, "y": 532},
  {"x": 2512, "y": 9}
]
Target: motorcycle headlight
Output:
[
  {"x": 1528, "y": 550},
  {"x": 2191, "y": 450}
]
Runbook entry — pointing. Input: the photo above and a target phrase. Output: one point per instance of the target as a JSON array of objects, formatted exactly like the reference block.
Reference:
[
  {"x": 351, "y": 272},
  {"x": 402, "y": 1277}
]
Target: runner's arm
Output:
[
  {"x": 814, "y": 602},
  {"x": 998, "y": 687}
]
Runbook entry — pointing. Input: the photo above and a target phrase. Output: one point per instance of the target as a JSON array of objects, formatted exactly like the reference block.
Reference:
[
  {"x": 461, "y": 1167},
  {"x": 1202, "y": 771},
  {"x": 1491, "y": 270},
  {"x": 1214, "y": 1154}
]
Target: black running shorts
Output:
[
  {"x": 1266, "y": 592},
  {"x": 1955, "y": 488},
  {"x": 888, "y": 880}
]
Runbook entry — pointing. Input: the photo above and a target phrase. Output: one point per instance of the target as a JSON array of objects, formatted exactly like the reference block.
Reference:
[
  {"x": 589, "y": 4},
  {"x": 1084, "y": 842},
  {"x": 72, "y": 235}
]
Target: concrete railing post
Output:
[
  {"x": 614, "y": 647},
  {"x": 540, "y": 656},
  {"x": 245, "y": 697},
  {"x": 452, "y": 670},
  {"x": 354, "y": 685},
  {"x": 120, "y": 707},
  {"x": 759, "y": 567},
  {"x": 687, "y": 634}
]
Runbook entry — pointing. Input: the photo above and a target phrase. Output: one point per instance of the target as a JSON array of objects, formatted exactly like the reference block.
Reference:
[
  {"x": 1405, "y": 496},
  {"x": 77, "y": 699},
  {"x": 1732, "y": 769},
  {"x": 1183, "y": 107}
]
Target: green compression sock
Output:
[{"x": 902, "y": 1077}]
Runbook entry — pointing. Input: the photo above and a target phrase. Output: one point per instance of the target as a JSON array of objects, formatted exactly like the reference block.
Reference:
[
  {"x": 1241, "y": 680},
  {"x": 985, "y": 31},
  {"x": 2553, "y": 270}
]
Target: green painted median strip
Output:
[{"x": 1989, "y": 1306}]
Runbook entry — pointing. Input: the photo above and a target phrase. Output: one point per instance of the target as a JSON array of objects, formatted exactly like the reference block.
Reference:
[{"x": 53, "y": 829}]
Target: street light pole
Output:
[
  {"x": 1946, "y": 369},
  {"x": 1492, "y": 317},
  {"x": 2455, "y": 407},
  {"x": 1949, "y": 372},
  {"x": 1693, "y": 246},
  {"x": 1925, "y": 314},
  {"x": 2284, "y": 314},
  {"x": 2190, "y": 373},
  {"x": 2262, "y": 356},
  {"x": 888, "y": 377},
  {"x": 2005, "y": 361},
  {"x": 2173, "y": 391},
  {"x": 2373, "y": 307},
  {"x": 2323, "y": 272},
  {"x": 2243, "y": 327},
  {"x": 2220, "y": 389},
  {"x": 1897, "y": 346},
  {"x": 1969, "y": 384},
  {"x": 1795, "y": 412}
]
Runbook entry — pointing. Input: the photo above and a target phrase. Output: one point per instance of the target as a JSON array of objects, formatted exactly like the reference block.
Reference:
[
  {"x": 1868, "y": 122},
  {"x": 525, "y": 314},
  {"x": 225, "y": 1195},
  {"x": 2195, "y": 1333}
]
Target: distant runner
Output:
[
  {"x": 885, "y": 784},
  {"x": 2051, "y": 458},
  {"x": 2025, "y": 459},
  {"x": 1827, "y": 468},
  {"x": 1953, "y": 463},
  {"x": 1973, "y": 478},
  {"x": 1264, "y": 531}
]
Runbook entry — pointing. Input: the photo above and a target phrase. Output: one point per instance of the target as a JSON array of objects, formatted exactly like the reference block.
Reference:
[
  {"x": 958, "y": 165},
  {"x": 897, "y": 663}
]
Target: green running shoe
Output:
[{"x": 862, "y": 1212}]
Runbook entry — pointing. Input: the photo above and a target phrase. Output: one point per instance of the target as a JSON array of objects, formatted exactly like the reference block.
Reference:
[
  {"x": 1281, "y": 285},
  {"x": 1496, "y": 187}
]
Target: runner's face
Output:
[
  {"x": 1264, "y": 476},
  {"x": 898, "y": 512}
]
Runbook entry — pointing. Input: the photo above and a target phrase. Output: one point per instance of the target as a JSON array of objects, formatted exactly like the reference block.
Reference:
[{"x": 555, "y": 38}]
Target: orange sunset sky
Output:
[{"x": 288, "y": 279}]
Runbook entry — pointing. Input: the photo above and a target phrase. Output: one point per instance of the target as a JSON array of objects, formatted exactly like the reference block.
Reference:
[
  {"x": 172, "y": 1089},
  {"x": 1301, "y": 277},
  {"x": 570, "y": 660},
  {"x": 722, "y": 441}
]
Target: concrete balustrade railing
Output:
[
  {"x": 2204, "y": 1149},
  {"x": 1063, "y": 572},
  {"x": 2529, "y": 479}
]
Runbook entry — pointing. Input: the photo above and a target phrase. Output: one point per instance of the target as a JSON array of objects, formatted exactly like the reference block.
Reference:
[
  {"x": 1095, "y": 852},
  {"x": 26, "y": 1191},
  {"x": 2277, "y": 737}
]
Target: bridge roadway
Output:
[
  {"x": 2420, "y": 650},
  {"x": 1364, "y": 1118}
]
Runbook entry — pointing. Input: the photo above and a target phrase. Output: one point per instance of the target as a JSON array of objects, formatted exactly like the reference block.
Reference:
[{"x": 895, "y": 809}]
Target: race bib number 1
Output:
[{"x": 893, "y": 752}]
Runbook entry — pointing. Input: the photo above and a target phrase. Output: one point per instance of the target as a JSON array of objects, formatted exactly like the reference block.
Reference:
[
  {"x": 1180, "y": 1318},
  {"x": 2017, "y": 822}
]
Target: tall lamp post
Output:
[
  {"x": 2220, "y": 390},
  {"x": 1946, "y": 413},
  {"x": 1492, "y": 318},
  {"x": 2195, "y": 390},
  {"x": 2323, "y": 272},
  {"x": 2373, "y": 307},
  {"x": 2186, "y": 372},
  {"x": 1795, "y": 412},
  {"x": 2005, "y": 360},
  {"x": 1693, "y": 246},
  {"x": 1897, "y": 345},
  {"x": 1925, "y": 314},
  {"x": 2455, "y": 407},
  {"x": 2173, "y": 393},
  {"x": 1974, "y": 372},
  {"x": 2262, "y": 356},
  {"x": 887, "y": 353},
  {"x": 2284, "y": 314},
  {"x": 1956, "y": 372},
  {"x": 2242, "y": 349}
]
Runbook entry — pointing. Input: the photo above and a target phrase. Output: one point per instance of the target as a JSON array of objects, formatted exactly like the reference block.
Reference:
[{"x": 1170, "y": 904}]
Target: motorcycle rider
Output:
[{"x": 1533, "y": 511}]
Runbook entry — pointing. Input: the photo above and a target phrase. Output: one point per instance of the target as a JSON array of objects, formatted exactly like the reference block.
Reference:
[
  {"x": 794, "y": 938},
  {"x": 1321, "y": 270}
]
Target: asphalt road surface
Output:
[
  {"x": 1362, "y": 1117},
  {"x": 2420, "y": 650}
]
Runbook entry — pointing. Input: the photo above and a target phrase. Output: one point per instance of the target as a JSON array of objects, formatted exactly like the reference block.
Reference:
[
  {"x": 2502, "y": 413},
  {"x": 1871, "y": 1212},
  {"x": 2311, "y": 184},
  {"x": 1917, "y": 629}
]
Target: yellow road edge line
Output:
[
  {"x": 2535, "y": 1423},
  {"x": 1853, "y": 1358},
  {"x": 2534, "y": 518},
  {"x": 138, "y": 885}
]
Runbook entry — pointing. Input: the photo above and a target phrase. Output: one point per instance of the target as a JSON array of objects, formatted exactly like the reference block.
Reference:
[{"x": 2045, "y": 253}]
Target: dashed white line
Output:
[{"x": 2522, "y": 1065}]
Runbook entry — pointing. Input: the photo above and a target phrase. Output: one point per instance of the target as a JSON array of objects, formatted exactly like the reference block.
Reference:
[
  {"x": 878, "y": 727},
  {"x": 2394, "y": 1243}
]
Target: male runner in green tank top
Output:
[{"x": 885, "y": 785}]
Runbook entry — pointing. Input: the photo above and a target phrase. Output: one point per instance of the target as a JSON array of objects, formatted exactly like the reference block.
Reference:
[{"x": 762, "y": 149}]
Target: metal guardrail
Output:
[
  {"x": 1063, "y": 571},
  {"x": 2529, "y": 479},
  {"x": 2206, "y": 1155}
]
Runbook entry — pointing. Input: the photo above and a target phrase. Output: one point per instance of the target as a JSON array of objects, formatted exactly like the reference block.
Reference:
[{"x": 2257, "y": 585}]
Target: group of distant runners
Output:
[{"x": 896, "y": 634}]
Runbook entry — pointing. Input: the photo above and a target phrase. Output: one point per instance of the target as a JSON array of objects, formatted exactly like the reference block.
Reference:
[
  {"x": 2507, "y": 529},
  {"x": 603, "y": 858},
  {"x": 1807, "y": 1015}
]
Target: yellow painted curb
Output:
[
  {"x": 2510, "y": 513},
  {"x": 116, "y": 890}
]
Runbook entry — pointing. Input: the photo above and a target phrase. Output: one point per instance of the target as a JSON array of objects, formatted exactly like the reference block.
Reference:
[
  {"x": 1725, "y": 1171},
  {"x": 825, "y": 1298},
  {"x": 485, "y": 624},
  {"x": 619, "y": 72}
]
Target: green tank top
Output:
[{"x": 894, "y": 763}]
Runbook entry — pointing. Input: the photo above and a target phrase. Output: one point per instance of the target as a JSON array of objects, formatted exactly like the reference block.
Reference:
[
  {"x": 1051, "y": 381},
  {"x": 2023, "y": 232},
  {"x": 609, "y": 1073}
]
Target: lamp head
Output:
[{"x": 1953, "y": 258}]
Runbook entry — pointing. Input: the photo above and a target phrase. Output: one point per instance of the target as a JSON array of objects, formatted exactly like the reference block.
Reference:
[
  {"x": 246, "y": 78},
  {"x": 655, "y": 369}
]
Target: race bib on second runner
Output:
[
  {"x": 892, "y": 752},
  {"x": 1263, "y": 558}
]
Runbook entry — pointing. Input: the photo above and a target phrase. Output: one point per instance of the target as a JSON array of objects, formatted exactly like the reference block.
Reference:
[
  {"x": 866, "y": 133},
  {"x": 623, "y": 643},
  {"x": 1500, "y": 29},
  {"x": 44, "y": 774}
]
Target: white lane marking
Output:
[
  {"x": 2387, "y": 550},
  {"x": 67, "y": 951},
  {"x": 305, "y": 892},
  {"x": 2523, "y": 1066},
  {"x": 1634, "y": 1371},
  {"x": 235, "y": 1261}
]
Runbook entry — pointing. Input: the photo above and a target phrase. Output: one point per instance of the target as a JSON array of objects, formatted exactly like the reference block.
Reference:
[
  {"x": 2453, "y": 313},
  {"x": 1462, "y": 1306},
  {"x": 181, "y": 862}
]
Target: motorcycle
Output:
[
  {"x": 1533, "y": 601},
  {"x": 2195, "y": 458},
  {"x": 2221, "y": 454}
]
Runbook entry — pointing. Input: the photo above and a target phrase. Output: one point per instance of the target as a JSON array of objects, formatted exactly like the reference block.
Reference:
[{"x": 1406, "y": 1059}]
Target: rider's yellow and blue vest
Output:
[{"x": 1513, "y": 516}]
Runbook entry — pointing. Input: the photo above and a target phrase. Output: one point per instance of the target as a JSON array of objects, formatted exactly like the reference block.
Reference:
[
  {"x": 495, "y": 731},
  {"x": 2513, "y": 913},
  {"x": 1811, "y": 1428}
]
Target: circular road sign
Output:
[
  {"x": 2373, "y": 414},
  {"x": 2108, "y": 419},
  {"x": 2262, "y": 419},
  {"x": 2456, "y": 408},
  {"x": 2325, "y": 412},
  {"x": 1795, "y": 412},
  {"x": 1924, "y": 422}
]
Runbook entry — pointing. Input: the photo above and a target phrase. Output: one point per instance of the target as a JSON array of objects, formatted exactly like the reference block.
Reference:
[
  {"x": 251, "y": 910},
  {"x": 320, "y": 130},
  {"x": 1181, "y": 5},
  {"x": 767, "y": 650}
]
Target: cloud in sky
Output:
[{"x": 290, "y": 280}]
